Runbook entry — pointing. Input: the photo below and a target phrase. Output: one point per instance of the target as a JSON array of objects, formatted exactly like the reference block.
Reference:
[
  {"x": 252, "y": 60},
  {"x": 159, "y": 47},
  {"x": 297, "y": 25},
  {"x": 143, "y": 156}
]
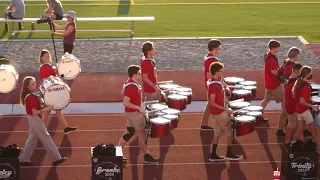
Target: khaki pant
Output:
[
  {"x": 205, "y": 115},
  {"x": 135, "y": 120},
  {"x": 282, "y": 118},
  {"x": 292, "y": 121},
  {"x": 151, "y": 96},
  {"x": 221, "y": 124},
  {"x": 306, "y": 117},
  {"x": 276, "y": 94}
]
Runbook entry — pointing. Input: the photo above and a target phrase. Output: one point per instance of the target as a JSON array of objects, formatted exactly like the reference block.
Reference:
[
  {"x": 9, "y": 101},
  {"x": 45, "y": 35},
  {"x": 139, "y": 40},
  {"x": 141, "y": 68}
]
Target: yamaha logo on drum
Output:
[
  {"x": 56, "y": 89},
  {"x": 7, "y": 171},
  {"x": 303, "y": 166},
  {"x": 107, "y": 170}
]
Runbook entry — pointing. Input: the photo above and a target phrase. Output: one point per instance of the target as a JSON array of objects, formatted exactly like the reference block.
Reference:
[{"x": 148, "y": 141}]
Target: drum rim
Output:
[
  {"x": 254, "y": 82},
  {"x": 260, "y": 113},
  {"x": 168, "y": 120},
  {"x": 178, "y": 111},
  {"x": 317, "y": 97},
  {"x": 148, "y": 106},
  {"x": 234, "y": 92},
  {"x": 246, "y": 108},
  {"x": 255, "y": 87},
  {"x": 176, "y": 116},
  {"x": 233, "y": 77},
  {"x": 243, "y": 102},
  {"x": 161, "y": 85},
  {"x": 178, "y": 98},
  {"x": 189, "y": 93},
  {"x": 254, "y": 118}
]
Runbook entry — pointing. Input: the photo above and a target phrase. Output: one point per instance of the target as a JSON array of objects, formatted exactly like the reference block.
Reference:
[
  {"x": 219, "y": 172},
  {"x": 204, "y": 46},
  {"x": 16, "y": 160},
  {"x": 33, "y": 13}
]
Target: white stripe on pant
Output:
[{"x": 37, "y": 130}]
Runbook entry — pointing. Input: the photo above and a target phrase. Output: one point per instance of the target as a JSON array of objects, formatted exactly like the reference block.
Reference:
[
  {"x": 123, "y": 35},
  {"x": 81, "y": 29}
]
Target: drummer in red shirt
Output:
[
  {"x": 273, "y": 87},
  {"x": 293, "y": 56},
  {"x": 290, "y": 103},
  {"x": 302, "y": 92},
  {"x": 47, "y": 70},
  {"x": 213, "y": 48},
  {"x": 135, "y": 121},
  {"x": 149, "y": 76},
  {"x": 220, "y": 113}
]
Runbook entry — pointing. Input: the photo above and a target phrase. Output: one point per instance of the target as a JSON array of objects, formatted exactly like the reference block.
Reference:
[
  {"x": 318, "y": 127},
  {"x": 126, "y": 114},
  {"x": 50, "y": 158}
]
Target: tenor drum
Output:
[
  {"x": 177, "y": 101},
  {"x": 244, "y": 125},
  {"x": 253, "y": 108},
  {"x": 253, "y": 90},
  {"x": 236, "y": 105},
  {"x": 233, "y": 80},
  {"x": 183, "y": 89},
  {"x": 241, "y": 94},
  {"x": 168, "y": 87},
  {"x": 240, "y": 112},
  {"x": 248, "y": 83},
  {"x": 257, "y": 115},
  {"x": 55, "y": 92},
  {"x": 315, "y": 100},
  {"x": 171, "y": 111},
  {"x": 8, "y": 79},
  {"x": 69, "y": 66},
  {"x": 156, "y": 107},
  {"x": 174, "y": 120},
  {"x": 160, "y": 127},
  {"x": 188, "y": 94}
]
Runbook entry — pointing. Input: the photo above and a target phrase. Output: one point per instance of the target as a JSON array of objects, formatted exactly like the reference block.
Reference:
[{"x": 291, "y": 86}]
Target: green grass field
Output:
[{"x": 193, "y": 20}]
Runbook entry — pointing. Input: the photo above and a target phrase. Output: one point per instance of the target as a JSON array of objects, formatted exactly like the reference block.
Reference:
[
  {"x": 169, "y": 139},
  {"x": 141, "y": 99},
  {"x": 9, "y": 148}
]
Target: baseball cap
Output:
[{"x": 71, "y": 14}]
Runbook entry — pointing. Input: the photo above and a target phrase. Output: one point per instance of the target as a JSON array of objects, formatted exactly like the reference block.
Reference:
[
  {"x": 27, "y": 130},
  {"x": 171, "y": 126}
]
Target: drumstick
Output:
[{"x": 164, "y": 82}]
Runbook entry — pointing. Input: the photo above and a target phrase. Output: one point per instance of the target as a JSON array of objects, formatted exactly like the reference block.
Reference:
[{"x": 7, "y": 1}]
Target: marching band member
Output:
[
  {"x": 149, "y": 75},
  {"x": 301, "y": 92},
  {"x": 46, "y": 70},
  {"x": 273, "y": 87},
  {"x": 37, "y": 129},
  {"x": 220, "y": 113},
  {"x": 290, "y": 103},
  {"x": 135, "y": 121},
  {"x": 213, "y": 48}
]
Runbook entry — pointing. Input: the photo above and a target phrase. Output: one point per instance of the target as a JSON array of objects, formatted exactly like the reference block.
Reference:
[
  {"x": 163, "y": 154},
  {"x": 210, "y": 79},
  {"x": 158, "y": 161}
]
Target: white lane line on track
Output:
[{"x": 168, "y": 164}]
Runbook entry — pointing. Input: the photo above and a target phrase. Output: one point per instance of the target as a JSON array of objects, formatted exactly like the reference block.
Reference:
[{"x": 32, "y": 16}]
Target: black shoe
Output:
[
  {"x": 25, "y": 163},
  {"x": 67, "y": 130},
  {"x": 149, "y": 159},
  {"x": 206, "y": 128},
  {"x": 280, "y": 133},
  {"x": 214, "y": 157},
  {"x": 60, "y": 161},
  {"x": 307, "y": 133},
  {"x": 233, "y": 157}
]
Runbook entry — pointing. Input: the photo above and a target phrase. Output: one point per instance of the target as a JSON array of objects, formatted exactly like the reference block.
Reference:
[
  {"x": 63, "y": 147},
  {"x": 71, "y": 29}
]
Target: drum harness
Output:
[{"x": 40, "y": 98}]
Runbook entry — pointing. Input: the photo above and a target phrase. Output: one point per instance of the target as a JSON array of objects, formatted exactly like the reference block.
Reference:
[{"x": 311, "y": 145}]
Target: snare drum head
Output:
[
  {"x": 8, "y": 79},
  {"x": 170, "y": 116},
  {"x": 250, "y": 87},
  {"x": 183, "y": 89},
  {"x": 239, "y": 104},
  {"x": 315, "y": 86},
  {"x": 234, "y": 80},
  {"x": 248, "y": 83},
  {"x": 254, "y": 113},
  {"x": 184, "y": 93},
  {"x": 170, "y": 111},
  {"x": 57, "y": 95},
  {"x": 241, "y": 92},
  {"x": 245, "y": 118},
  {"x": 69, "y": 66},
  {"x": 253, "y": 108},
  {"x": 157, "y": 106},
  {"x": 168, "y": 86},
  {"x": 160, "y": 120},
  {"x": 177, "y": 97},
  {"x": 315, "y": 99}
]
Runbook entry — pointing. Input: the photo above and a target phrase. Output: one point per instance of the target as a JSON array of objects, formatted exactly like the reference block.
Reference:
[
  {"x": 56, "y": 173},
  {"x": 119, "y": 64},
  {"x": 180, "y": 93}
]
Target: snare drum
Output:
[
  {"x": 174, "y": 120},
  {"x": 241, "y": 94},
  {"x": 315, "y": 100},
  {"x": 244, "y": 125},
  {"x": 168, "y": 87},
  {"x": 236, "y": 105},
  {"x": 160, "y": 127},
  {"x": 69, "y": 67},
  {"x": 188, "y": 94},
  {"x": 8, "y": 79},
  {"x": 233, "y": 80},
  {"x": 253, "y": 108},
  {"x": 156, "y": 107},
  {"x": 257, "y": 115},
  {"x": 253, "y": 90},
  {"x": 55, "y": 92},
  {"x": 177, "y": 101}
]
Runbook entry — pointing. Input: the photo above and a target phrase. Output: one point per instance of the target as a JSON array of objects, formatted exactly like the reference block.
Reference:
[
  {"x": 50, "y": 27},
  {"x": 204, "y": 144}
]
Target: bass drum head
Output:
[
  {"x": 8, "y": 81},
  {"x": 69, "y": 67},
  {"x": 58, "y": 96}
]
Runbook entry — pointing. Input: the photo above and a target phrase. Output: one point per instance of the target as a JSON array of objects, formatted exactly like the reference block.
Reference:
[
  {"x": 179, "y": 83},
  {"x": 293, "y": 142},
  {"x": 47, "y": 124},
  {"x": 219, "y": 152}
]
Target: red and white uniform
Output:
[
  {"x": 215, "y": 87},
  {"x": 133, "y": 91},
  {"x": 31, "y": 102},
  {"x": 208, "y": 60},
  {"x": 46, "y": 70},
  {"x": 271, "y": 81},
  {"x": 148, "y": 67}
]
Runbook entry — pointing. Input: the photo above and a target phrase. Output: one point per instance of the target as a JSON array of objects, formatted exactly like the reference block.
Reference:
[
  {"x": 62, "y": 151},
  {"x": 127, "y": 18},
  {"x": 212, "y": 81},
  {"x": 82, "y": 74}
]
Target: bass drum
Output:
[
  {"x": 69, "y": 67},
  {"x": 8, "y": 79}
]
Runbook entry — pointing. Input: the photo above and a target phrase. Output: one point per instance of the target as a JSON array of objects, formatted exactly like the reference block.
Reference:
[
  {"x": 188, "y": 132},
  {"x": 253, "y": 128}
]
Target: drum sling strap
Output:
[
  {"x": 38, "y": 95},
  {"x": 210, "y": 57},
  {"x": 233, "y": 126}
]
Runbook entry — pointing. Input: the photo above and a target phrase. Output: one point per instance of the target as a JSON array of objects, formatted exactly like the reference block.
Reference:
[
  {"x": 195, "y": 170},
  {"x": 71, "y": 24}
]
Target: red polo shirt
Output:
[
  {"x": 287, "y": 71},
  {"x": 208, "y": 60},
  {"x": 290, "y": 102},
  {"x": 134, "y": 93},
  {"x": 148, "y": 67},
  {"x": 270, "y": 80},
  {"x": 32, "y": 102},
  {"x": 303, "y": 92},
  {"x": 46, "y": 71},
  {"x": 217, "y": 90}
]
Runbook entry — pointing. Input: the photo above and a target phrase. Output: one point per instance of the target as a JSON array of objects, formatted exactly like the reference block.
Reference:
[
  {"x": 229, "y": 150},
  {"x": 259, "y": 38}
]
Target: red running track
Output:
[{"x": 183, "y": 154}]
